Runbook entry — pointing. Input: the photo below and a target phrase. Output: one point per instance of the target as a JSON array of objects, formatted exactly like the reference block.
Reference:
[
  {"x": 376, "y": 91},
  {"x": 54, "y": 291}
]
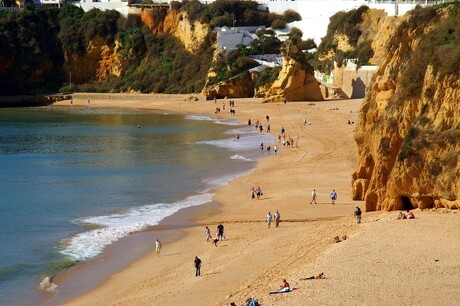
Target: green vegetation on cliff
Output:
[
  {"x": 439, "y": 48},
  {"x": 37, "y": 45},
  {"x": 31, "y": 56},
  {"x": 343, "y": 23}
]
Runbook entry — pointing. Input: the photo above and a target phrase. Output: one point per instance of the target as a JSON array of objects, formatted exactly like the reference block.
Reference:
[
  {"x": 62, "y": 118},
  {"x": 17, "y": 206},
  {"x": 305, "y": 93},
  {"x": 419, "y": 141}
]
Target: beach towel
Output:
[{"x": 284, "y": 290}]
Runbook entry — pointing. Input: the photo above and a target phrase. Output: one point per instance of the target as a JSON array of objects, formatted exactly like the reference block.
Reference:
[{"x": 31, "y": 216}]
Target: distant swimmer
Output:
[
  {"x": 138, "y": 126},
  {"x": 238, "y": 136}
]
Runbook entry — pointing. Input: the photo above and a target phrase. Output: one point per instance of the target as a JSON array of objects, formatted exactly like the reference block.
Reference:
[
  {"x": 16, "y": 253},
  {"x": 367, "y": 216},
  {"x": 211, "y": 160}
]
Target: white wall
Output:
[{"x": 316, "y": 13}]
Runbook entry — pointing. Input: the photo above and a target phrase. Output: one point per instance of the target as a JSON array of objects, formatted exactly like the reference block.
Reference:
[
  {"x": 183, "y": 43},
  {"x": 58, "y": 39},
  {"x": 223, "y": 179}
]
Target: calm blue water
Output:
[{"x": 73, "y": 180}]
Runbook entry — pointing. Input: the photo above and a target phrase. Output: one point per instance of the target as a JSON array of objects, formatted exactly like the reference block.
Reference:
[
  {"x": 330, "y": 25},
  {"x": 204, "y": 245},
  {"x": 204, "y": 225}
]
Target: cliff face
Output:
[
  {"x": 294, "y": 82},
  {"x": 409, "y": 144},
  {"x": 376, "y": 28},
  {"x": 177, "y": 23},
  {"x": 98, "y": 62}
]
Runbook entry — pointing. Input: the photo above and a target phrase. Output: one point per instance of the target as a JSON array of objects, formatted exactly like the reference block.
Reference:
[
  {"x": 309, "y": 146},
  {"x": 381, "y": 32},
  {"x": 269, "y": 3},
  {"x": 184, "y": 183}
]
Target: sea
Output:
[{"x": 74, "y": 180}]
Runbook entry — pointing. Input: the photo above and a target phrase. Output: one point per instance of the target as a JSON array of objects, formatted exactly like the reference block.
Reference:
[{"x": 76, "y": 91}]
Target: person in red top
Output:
[{"x": 410, "y": 215}]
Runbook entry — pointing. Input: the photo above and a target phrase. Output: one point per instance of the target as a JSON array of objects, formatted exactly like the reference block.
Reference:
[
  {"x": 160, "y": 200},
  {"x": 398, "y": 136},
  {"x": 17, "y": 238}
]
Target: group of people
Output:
[
  {"x": 407, "y": 215},
  {"x": 256, "y": 192},
  {"x": 332, "y": 196},
  {"x": 276, "y": 218}
]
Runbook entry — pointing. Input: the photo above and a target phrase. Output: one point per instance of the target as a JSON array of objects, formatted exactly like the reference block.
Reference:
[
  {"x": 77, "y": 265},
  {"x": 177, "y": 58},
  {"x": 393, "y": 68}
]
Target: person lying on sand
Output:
[
  {"x": 319, "y": 276},
  {"x": 337, "y": 239}
]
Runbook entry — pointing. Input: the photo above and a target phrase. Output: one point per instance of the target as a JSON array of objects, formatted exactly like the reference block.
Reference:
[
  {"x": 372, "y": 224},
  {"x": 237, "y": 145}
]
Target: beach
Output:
[{"x": 382, "y": 261}]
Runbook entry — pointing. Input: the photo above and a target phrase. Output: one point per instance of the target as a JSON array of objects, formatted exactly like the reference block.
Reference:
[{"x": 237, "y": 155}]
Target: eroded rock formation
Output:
[
  {"x": 240, "y": 86},
  {"x": 295, "y": 82},
  {"x": 409, "y": 144}
]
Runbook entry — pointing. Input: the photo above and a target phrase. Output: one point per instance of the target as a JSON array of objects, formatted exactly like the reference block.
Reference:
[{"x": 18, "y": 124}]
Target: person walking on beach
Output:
[
  {"x": 197, "y": 263},
  {"x": 220, "y": 232},
  {"x": 207, "y": 233},
  {"x": 269, "y": 219},
  {"x": 158, "y": 247},
  {"x": 258, "y": 192},
  {"x": 277, "y": 218},
  {"x": 268, "y": 129},
  {"x": 313, "y": 196},
  {"x": 333, "y": 196},
  {"x": 268, "y": 118},
  {"x": 249, "y": 122},
  {"x": 275, "y": 149},
  {"x": 253, "y": 193},
  {"x": 357, "y": 214}
]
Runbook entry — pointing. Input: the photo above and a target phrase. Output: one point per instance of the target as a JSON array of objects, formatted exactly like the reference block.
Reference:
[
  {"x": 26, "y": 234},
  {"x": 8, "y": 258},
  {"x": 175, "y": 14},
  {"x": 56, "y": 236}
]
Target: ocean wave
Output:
[
  {"x": 115, "y": 226},
  {"x": 209, "y": 118},
  {"x": 246, "y": 142}
]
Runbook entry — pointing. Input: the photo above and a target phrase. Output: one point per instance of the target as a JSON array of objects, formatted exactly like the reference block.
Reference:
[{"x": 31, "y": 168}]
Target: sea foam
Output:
[
  {"x": 115, "y": 226},
  {"x": 213, "y": 119}
]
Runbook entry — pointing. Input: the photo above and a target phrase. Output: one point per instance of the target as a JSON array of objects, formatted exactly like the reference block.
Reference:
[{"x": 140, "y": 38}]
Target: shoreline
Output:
[
  {"x": 84, "y": 276},
  {"x": 254, "y": 259},
  {"x": 160, "y": 104}
]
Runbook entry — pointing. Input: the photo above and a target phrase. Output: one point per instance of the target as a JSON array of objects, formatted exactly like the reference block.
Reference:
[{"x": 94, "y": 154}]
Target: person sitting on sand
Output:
[
  {"x": 319, "y": 276},
  {"x": 401, "y": 216},
  {"x": 410, "y": 215},
  {"x": 285, "y": 286}
]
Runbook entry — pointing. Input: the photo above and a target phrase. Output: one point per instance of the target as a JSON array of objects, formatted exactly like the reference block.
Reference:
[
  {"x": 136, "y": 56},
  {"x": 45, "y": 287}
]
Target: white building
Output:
[{"x": 229, "y": 38}]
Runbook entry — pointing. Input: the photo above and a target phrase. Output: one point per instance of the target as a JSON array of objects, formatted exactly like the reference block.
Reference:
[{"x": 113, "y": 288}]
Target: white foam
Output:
[
  {"x": 113, "y": 227},
  {"x": 222, "y": 180},
  {"x": 213, "y": 119},
  {"x": 246, "y": 142},
  {"x": 236, "y": 156}
]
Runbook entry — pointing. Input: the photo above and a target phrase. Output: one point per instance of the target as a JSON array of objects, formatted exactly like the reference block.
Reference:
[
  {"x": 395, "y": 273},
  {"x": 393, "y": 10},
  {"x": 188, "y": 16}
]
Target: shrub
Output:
[
  {"x": 267, "y": 76},
  {"x": 307, "y": 44},
  {"x": 291, "y": 16},
  {"x": 278, "y": 24}
]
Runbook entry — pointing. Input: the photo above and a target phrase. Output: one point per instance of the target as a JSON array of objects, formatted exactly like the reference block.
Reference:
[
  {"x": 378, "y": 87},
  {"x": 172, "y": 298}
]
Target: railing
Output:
[{"x": 2, "y": 8}]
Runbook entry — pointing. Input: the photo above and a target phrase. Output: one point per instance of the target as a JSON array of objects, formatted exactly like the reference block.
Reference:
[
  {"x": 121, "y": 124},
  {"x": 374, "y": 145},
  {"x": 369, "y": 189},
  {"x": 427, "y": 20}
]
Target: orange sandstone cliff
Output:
[{"x": 408, "y": 134}]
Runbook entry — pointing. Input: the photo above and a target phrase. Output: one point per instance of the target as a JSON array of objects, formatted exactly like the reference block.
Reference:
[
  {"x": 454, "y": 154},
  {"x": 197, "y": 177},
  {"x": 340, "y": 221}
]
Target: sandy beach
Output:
[{"x": 383, "y": 261}]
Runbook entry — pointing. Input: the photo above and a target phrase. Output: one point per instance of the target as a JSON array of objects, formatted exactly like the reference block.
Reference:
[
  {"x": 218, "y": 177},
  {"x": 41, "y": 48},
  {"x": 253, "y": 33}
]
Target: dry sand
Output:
[{"x": 383, "y": 262}]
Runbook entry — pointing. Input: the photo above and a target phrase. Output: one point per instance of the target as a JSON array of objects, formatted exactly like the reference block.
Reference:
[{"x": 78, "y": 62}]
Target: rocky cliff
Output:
[
  {"x": 295, "y": 81},
  {"x": 191, "y": 34},
  {"x": 98, "y": 62},
  {"x": 408, "y": 134}
]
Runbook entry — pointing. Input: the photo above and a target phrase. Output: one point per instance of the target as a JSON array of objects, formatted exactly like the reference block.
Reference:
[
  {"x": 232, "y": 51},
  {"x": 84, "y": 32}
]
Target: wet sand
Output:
[{"x": 383, "y": 261}]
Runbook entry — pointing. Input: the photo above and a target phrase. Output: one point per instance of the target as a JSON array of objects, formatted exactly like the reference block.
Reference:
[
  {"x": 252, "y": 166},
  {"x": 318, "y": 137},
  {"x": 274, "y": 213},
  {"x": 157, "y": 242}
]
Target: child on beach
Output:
[
  {"x": 207, "y": 233},
  {"x": 158, "y": 247}
]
